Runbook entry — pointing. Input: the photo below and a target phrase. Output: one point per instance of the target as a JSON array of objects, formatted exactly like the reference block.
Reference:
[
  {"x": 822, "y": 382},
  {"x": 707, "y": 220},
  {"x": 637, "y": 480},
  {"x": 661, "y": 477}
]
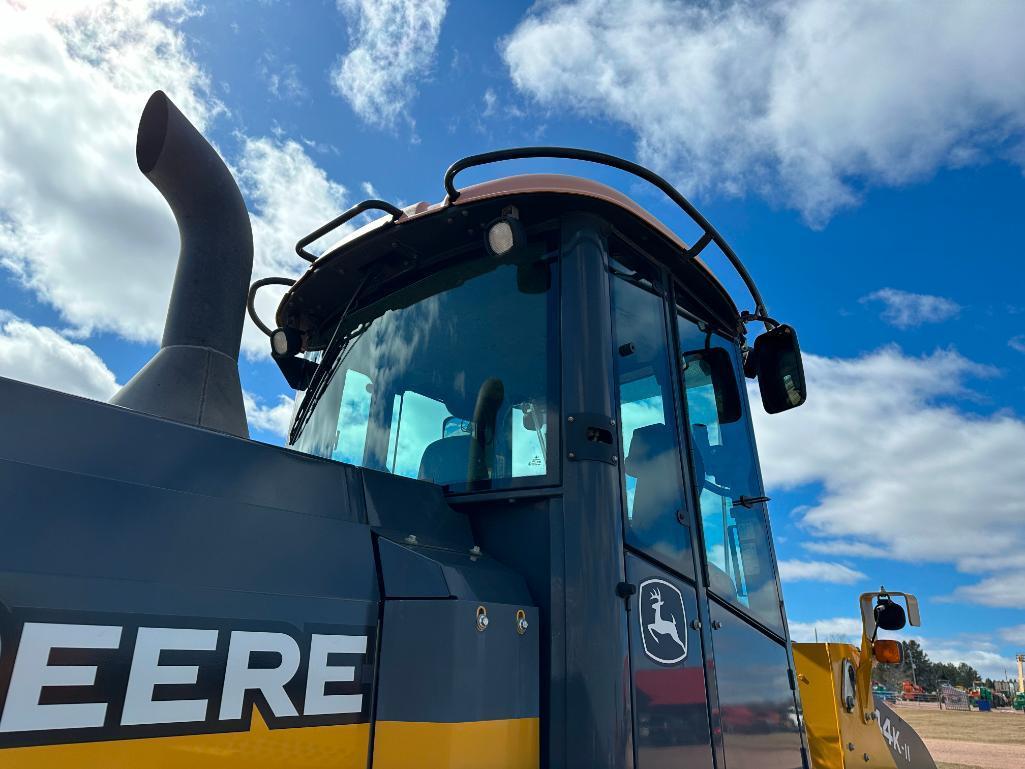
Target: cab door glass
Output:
[
  {"x": 656, "y": 518},
  {"x": 734, "y": 522}
]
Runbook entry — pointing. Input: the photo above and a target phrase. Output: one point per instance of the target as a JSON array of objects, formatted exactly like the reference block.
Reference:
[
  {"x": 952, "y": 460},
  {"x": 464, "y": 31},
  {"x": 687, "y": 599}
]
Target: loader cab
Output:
[{"x": 575, "y": 379}]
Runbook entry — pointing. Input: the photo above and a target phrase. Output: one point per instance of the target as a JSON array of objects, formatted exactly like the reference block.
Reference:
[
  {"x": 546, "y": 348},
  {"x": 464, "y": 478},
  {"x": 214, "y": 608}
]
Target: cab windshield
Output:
[{"x": 450, "y": 380}]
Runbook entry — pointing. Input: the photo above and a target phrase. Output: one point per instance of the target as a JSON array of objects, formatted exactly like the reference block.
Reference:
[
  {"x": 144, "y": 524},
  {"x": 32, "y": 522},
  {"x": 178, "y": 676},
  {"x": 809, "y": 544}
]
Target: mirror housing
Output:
[
  {"x": 870, "y": 603},
  {"x": 780, "y": 370},
  {"x": 889, "y": 615},
  {"x": 716, "y": 364}
]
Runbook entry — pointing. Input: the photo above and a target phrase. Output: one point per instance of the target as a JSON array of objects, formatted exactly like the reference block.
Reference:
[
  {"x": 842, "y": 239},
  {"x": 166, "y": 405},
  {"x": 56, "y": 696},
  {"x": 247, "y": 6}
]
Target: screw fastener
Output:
[{"x": 521, "y": 622}]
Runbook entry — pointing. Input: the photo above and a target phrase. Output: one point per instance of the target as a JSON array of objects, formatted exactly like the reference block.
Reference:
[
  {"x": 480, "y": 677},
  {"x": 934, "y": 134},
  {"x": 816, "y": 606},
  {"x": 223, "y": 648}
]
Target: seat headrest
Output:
[
  {"x": 647, "y": 443},
  {"x": 445, "y": 460}
]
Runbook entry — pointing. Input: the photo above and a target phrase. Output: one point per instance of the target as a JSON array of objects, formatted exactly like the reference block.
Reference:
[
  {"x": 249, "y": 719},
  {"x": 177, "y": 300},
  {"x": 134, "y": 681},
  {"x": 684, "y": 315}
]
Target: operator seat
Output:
[
  {"x": 652, "y": 461},
  {"x": 445, "y": 460}
]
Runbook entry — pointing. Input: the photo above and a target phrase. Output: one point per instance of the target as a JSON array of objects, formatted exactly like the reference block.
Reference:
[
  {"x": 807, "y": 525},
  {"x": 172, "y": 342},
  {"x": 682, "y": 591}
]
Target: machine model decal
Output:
[
  {"x": 906, "y": 747},
  {"x": 663, "y": 621},
  {"x": 80, "y": 677}
]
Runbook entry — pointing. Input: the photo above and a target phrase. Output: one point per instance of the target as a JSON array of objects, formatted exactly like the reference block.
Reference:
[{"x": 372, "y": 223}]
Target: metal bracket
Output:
[{"x": 592, "y": 437}]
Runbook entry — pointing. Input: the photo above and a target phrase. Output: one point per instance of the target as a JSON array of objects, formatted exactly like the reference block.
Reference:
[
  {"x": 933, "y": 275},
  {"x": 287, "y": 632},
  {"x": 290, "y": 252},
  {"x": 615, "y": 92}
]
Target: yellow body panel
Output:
[
  {"x": 830, "y": 728},
  {"x": 338, "y": 747},
  {"x": 507, "y": 744}
]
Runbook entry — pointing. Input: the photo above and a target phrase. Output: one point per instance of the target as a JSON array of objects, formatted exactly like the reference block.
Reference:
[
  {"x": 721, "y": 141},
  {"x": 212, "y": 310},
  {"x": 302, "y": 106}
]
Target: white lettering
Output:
[
  {"x": 240, "y": 678},
  {"x": 318, "y": 703},
  {"x": 32, "y": 672},
  {"x": 147, "y": 672}
]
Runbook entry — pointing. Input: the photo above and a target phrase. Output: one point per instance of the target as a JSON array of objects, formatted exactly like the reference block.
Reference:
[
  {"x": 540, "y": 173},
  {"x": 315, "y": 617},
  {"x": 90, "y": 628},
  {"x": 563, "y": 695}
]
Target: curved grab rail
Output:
[
  {"x": 709, "y": 233},
  {"x": 250, "y": 300},
  {"x": 338, "y": 221}
]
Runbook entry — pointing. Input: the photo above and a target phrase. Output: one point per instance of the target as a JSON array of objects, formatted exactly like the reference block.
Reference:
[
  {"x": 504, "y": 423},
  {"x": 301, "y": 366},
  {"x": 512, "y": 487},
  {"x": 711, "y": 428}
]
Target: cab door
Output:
[
  {"x": 667, "y": 660},
  {"x": 753, "y": 680}
]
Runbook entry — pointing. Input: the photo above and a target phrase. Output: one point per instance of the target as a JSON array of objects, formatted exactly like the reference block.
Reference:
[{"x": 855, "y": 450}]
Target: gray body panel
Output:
[
  {"x": 759, "y": 721},
  {"x": 670, "y": 699},
  {"x": 112, "y": 517},
  {"x": 443, "y": 669}
]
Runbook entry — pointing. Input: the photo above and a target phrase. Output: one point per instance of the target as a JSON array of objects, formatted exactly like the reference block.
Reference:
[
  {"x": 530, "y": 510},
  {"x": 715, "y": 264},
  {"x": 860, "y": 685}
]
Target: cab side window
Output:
[
  {"x": 734, "y": 520},
  {"x": 656, "y": 516}
]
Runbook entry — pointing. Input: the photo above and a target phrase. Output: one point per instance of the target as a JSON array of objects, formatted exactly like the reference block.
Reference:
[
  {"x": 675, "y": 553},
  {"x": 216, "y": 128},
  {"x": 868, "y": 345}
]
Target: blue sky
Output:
[{"x": 865, "y": 159}]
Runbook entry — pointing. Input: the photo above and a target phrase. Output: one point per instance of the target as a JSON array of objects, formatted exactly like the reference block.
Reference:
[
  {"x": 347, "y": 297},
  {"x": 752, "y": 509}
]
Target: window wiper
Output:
[{"x": 333, "y": 356}]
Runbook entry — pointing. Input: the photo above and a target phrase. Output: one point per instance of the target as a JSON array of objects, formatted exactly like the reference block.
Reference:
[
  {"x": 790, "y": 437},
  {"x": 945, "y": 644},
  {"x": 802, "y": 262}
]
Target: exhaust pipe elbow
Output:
[{"x": 194, "y": 376}]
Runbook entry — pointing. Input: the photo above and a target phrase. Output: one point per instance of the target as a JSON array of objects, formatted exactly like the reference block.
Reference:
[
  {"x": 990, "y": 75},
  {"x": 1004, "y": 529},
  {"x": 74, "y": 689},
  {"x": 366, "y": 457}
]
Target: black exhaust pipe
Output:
[{"x": 194, "y": 376}]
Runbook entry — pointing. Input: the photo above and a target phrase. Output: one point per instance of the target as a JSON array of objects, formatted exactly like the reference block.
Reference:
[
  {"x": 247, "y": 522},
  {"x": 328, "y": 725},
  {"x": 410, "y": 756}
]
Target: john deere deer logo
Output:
[{"x": 663, "y": 621}]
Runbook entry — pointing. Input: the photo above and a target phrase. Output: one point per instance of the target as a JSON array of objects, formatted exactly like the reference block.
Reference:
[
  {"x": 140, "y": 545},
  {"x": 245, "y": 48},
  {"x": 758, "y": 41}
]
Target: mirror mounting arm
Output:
[{"x": 756, "y": 316}]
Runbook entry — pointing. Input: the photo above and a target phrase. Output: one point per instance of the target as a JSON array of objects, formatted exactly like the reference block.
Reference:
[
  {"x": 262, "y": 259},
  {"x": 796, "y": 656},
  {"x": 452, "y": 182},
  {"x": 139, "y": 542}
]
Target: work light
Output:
[
  {"x": 285, "y": 342},
  {"x": 505, "y": 234}
]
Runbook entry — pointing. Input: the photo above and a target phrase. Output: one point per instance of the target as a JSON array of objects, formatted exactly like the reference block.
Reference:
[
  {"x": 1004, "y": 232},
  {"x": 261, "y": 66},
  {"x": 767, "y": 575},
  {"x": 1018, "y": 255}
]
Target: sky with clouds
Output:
[{"x": 865, "y": 159}]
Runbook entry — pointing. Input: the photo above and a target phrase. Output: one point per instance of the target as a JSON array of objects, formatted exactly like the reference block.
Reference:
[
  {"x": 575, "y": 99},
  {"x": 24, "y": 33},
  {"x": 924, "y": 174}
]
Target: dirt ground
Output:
[{"x": 960, "y": 740}]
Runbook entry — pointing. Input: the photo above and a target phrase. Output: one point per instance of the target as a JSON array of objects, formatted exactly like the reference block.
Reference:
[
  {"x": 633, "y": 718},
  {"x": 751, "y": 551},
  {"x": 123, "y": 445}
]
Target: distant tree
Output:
[{"x": 966, "y": 675}]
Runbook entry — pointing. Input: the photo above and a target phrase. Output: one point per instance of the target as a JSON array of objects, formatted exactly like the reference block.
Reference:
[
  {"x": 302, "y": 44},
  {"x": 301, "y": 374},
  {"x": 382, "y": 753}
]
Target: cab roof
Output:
[{"x": 394, "y": 246}]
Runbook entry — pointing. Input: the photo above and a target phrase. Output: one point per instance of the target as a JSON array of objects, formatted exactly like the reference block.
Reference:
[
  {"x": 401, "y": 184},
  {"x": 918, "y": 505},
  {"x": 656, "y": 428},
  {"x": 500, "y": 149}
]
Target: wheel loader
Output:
[{"x": 518, "y": 521}]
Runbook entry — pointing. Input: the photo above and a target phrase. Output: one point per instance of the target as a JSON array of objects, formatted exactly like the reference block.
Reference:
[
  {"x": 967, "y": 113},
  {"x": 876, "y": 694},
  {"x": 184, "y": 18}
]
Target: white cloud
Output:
[
  {"x": 1004, "y": 589},
  {"x": 490, "y": 102},
  {"x": 819, "y": 571},
  {"x": 842, "y": 629},
  {"x": 282, "y": 79},
  {"x": 41, "y": 356},
  {"x": 1015, "y": 634},
  {"x": 901, "y": 468},
  {"x": 802, "y": 101},
  {"x": 79, "y": 225},
  {"x": 1017, "y": 343},
  {"x": 274, "y": 418},
  {"x": 906, "y": 310},
  {"x": 842, "y": 547},
  {"x": 291, "y": 196},
  {"x": 393, "y": 43}
]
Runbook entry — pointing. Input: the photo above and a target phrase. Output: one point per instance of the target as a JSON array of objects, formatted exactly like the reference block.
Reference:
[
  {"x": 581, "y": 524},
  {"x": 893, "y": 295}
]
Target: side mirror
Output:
[
  {"x": 714, "y": 366},
  {"x": 879, "y": 610},
  {"x": 889, "y": 615},
  {"x": 780, "y": 370}
]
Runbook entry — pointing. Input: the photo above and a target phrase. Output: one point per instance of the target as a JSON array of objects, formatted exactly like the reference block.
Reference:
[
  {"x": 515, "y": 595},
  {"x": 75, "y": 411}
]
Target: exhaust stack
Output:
[{"x": 194, "y": 377}]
